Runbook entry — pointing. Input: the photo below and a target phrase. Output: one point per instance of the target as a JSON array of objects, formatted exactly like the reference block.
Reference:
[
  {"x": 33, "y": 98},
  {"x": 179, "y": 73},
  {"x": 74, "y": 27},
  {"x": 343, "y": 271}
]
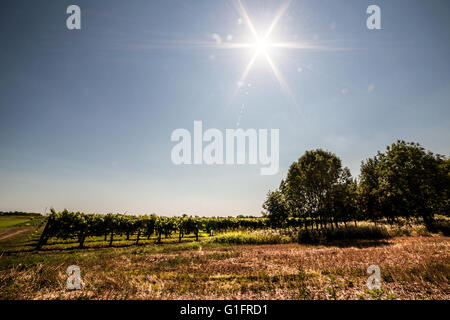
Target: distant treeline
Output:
[
  {"x": 19, "y": 213},
  {"x": 404, "y": 183}
]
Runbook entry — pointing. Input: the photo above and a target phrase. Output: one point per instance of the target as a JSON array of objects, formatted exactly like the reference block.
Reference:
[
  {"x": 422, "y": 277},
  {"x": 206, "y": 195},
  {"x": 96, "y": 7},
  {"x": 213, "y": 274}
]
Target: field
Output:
[
  {"x": 10, "y": 226},
  {"x": 232, "y": 265},
  {"x": 7, "y": 222}
]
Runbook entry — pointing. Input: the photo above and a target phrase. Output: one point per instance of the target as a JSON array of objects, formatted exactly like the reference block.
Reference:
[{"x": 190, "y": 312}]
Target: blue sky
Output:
[{"x": 86, "y": 115}]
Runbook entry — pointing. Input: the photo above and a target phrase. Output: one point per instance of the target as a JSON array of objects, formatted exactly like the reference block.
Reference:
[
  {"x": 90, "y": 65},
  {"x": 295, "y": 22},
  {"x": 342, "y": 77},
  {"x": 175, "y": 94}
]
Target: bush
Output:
[
  {"x": 350, "y": 233},
  {"x": 440, "y": 226},
  {"x": 264, "y": 237}
]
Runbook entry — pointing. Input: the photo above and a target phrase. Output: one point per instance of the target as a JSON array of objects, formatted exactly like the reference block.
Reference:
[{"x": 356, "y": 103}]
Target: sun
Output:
[
  {"x": 264, "y": 45},
  {"x": 261, "y": 46}
]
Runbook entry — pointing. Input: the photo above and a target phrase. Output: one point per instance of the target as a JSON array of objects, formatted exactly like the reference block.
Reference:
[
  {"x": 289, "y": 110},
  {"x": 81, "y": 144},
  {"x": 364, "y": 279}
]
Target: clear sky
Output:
[{"x": 86, "y": 115}]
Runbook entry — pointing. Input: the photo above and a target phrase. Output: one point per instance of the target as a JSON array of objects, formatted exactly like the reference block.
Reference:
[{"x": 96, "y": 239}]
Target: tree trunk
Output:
[
  {"x": 138, "y": 235},
  {"x": 43, "y": 239},
  {"x": 428, "y": 220},
  {"x": 111, "y": 239},
  {"x": 81, "y": 239},
  {"x": 158, "y": 239}
]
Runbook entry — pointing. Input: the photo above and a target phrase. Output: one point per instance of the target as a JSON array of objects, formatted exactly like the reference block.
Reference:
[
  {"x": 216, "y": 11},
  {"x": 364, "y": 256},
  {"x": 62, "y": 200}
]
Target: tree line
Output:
[
  {"x": 404, "y": 183},
  {"x": 19, "y": 213}
]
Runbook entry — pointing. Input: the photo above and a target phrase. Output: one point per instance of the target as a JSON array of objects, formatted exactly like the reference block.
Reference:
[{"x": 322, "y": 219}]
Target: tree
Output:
[
  {"x": 316, "y": 185},
  {"x": 444, "y": 186},
  {"x": 344, "y": 205},
  {"x": 111, "y": 225},
  {"x": 404, "y": 182},
  {"x": 277, "y": 209},
  {"x": 369, "y": 190}
]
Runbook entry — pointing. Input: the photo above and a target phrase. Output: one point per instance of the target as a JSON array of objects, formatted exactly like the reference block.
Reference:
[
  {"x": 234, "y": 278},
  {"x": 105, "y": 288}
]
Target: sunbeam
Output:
[
  {"x": 262, "y": 44},
  {"x": 283, "y": 84},
  {"x": 245, "y": 73}
]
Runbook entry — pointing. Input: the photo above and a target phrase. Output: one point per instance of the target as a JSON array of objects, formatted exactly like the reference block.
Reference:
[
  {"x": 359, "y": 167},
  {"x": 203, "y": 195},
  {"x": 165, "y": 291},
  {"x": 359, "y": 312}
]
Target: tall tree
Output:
[
  {"x": 405, "y": 181},
  {"x": 316, "y": 185}
]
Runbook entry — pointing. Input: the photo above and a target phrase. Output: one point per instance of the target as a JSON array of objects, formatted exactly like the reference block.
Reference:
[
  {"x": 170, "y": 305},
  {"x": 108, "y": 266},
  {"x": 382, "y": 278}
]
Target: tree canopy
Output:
[{"x": 405, "y": 181}]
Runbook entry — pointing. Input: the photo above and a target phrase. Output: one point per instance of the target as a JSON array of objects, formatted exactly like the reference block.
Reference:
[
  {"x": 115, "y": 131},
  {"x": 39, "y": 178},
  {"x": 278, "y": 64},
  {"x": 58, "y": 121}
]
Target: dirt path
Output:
[{"x": 12, "y": 234}]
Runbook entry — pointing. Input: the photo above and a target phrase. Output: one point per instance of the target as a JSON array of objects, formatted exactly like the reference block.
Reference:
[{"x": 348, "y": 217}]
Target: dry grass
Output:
[{"x": 411, "y": 267}]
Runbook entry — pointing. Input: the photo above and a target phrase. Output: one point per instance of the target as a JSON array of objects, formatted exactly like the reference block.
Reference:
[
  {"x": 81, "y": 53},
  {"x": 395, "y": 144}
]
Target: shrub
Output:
[
  {"x": 350, "y": 233},
  {"x": 440, "y": 226},
  {"x": 264, "y": 237}
]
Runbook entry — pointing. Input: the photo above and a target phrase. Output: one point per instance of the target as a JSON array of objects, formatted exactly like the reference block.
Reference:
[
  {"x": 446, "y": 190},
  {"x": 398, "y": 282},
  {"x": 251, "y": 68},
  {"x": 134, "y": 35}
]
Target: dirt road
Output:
[{"x": 13, "y": 233}]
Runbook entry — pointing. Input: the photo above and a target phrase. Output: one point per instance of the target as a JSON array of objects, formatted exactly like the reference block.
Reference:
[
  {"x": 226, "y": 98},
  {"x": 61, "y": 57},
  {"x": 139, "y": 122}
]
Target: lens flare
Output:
[{"x": 261, "y": 46}]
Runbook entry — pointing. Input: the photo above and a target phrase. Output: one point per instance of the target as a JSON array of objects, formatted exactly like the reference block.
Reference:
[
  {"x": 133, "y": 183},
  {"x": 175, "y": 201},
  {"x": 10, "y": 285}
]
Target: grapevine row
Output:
[{"x": 68, "y": 225}]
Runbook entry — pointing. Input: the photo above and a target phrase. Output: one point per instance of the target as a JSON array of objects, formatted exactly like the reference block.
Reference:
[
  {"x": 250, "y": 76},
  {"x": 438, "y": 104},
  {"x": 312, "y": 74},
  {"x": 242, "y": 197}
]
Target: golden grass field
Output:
[{"x": 412, "y": 267}]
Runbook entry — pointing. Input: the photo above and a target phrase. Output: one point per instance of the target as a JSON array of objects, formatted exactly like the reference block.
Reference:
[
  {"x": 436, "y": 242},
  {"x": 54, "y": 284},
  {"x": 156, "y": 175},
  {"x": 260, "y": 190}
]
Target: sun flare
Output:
[{"x": 261, "y": 46}]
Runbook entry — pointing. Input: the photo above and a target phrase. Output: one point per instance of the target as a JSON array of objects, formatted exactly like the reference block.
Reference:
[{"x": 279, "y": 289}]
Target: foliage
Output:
[
  {"x": 19, "y": 213},
  {"x": 317, "y": 191},
  {"x": 404, "y": 182},
  {"x": 240, "y": 237},
  {"x": 65, "y": 225},
  {"x": 277, "y": 209}
]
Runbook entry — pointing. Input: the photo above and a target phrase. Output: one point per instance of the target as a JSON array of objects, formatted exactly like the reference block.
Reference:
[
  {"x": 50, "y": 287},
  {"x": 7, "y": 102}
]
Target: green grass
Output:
[
  {"x": 363, "y": 231},
  {"x": 12, "y": 221},
  {"x": 31, "y": 227},
  {"x": 27, "y": 241},
  {"x": 55, "y": 256}
]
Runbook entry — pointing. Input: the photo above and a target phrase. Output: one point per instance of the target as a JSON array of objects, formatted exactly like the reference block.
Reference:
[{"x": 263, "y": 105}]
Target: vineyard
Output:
[{"x": 75, "y": 225}]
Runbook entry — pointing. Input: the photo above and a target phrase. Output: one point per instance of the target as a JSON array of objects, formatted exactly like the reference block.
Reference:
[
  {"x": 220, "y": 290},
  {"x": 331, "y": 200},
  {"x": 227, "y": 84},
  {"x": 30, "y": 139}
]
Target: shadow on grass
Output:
[
  {"x": 73, "y": 241},
  {"x": 360, "y": 244},
  {"x": 440, "y": 225},
  {"x": 73, "y": 247},
  {"x": 359, "y": 237}
]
